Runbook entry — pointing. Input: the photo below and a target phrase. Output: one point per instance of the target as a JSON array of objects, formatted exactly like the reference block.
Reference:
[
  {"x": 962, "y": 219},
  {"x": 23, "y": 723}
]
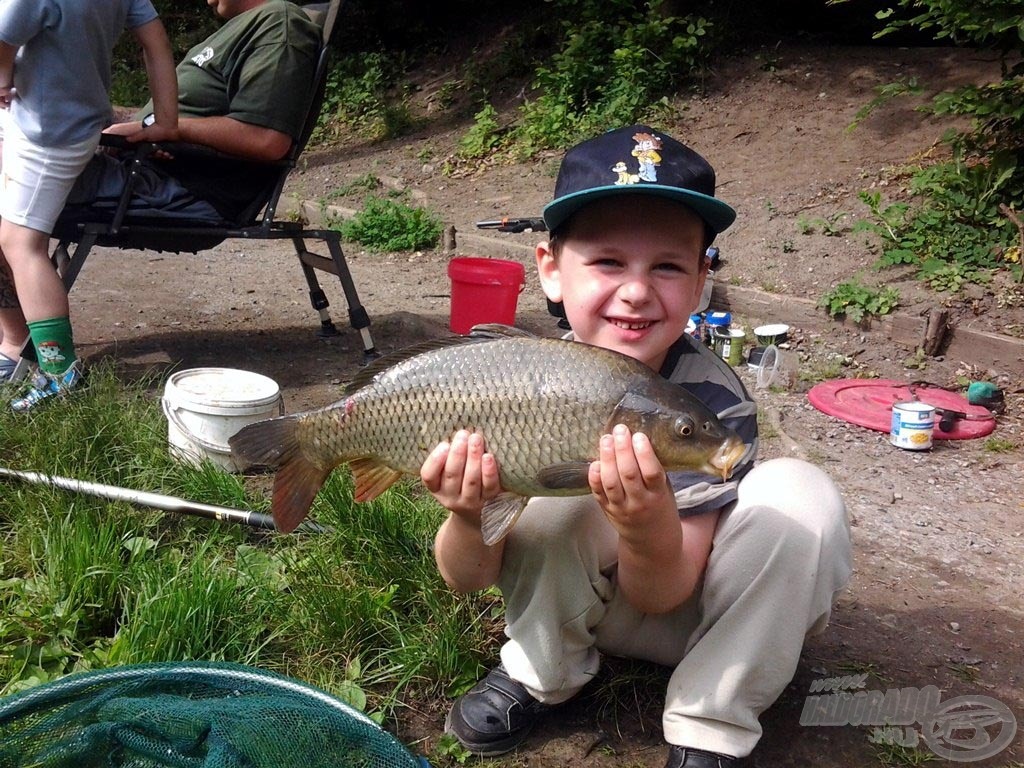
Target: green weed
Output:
[
  {"x": 368, "y": 182},
  {"x": 830, "y": 226},
  {"x": 615, "y": 64},
  {"x": 484, "y": 137},
  {"x": 968, "y": 673},
  {"x": 999, "y": 445},
  {"x": 388, "y": 225},
  {"x": 896, "y": 755},
  {"x": 357, "y": 97},
  {"x": 858, "y": 301}
]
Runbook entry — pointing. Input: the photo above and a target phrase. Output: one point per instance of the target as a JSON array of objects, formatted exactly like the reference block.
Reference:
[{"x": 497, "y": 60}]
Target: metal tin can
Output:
[{"x": 912, "y": 426}]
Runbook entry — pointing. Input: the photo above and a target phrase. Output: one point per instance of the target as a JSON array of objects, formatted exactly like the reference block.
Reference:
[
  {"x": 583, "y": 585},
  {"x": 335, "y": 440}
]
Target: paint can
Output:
[{"x": 912, "y": 425}]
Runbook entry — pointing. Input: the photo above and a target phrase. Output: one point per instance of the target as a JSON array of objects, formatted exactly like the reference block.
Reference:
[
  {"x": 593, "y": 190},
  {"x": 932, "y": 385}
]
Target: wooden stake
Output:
[{"x": 934, "y": 331}]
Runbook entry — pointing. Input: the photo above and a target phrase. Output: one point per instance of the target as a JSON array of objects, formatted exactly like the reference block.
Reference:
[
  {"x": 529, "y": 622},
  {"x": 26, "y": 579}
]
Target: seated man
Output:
[{"x": 243, "y": 91}]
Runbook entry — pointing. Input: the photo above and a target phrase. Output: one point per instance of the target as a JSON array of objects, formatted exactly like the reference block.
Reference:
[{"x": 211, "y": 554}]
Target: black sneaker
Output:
[
  {"x": 494, "y": 716},
  {"x": 687, "y": 757}
]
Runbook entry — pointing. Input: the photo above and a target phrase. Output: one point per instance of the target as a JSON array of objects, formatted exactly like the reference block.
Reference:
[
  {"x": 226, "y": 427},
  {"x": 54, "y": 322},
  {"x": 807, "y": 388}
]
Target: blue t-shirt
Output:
[{"x": 62, "y": 70}]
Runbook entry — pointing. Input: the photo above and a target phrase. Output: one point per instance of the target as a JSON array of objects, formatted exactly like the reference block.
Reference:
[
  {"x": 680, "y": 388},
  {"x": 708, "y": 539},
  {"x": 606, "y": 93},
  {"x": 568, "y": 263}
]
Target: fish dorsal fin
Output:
[
  {"x": 499, "y": 515},
  {"x": 366, "y": 375},
  {"x": 499, "y": 331}
]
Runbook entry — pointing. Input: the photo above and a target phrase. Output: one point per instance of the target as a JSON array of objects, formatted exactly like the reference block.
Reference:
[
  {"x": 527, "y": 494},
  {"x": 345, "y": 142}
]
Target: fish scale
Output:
[
  {"x": 402, "y": 416},
  {"x": 541, "y": 405}
]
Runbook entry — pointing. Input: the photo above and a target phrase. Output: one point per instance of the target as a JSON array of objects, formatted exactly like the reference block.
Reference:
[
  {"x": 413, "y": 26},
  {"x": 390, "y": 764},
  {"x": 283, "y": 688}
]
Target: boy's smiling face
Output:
[{"x": 629, "y": 271}]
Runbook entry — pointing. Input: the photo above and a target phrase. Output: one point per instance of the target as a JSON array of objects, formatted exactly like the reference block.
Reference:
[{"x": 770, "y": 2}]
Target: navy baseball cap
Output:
[{"x": 636, "y": 160}]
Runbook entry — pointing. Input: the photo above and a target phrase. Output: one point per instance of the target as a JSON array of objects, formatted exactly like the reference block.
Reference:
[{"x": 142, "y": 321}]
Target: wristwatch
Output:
[{"x": 149, "y": 120}]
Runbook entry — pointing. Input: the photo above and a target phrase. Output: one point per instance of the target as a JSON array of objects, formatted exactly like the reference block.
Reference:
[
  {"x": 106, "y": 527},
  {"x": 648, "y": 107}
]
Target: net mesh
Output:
[{"x": 190, "y": 715}]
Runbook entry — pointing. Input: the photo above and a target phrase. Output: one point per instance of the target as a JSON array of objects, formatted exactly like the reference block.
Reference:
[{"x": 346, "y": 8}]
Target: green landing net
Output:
[{"x": 190, "y": 715}]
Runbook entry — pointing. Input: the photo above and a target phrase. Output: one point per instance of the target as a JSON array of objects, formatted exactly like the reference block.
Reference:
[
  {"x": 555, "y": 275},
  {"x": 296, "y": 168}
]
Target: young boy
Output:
[
  {"x": 54, "y": 82},
  {"x": 721, "y": 580}
]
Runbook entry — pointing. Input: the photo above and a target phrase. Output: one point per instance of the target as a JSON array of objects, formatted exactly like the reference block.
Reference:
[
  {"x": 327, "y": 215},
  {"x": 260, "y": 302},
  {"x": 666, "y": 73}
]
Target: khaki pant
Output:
[{"x": 780, "y": 555}]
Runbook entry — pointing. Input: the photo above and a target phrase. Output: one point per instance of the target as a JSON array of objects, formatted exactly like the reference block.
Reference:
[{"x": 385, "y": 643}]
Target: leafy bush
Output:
[
  {"x": 483, "y": 137},
  {"x": 615, "y": 64},
  {"x": 858, "y": 301},
  {"x": 356, "y": 98},
  {"x": 391, "y": 226},
  {"x": 957, "y": 233}
]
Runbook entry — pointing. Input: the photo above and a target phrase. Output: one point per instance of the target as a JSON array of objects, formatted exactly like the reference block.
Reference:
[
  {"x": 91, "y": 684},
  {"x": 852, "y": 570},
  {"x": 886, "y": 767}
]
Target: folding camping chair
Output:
[{"x": 122, "y": 229}]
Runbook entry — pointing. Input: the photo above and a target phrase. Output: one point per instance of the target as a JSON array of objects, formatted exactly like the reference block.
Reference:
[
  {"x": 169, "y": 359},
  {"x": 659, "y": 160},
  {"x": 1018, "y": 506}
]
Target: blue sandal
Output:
[{"x": 7, "y": 367}]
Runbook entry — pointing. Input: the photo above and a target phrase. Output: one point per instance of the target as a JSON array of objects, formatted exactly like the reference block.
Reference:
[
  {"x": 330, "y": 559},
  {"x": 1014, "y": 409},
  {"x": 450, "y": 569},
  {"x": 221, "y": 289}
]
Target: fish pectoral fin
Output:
[
  {"x": 499, "y": 515},
  {"x": 565, "y": 476},
  {"x": 372, "y": 478}
]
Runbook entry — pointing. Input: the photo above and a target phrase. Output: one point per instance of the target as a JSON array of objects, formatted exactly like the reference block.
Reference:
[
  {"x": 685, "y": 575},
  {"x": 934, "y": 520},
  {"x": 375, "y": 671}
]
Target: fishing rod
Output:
[{"x": 157, "y": 501}]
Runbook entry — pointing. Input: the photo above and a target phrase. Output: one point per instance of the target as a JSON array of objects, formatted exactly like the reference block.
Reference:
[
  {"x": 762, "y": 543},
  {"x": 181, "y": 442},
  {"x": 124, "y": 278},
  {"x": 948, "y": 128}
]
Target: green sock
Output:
[{"x": 55, "y": 349}]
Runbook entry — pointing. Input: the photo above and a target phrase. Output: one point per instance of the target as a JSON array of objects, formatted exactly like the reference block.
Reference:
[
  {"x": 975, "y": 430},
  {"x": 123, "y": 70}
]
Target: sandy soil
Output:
[{"x": 936, "y": 594}]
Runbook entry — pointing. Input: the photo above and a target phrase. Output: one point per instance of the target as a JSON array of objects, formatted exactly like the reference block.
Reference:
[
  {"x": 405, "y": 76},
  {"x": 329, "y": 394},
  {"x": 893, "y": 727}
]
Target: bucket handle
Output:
[{"x": 173, "y": 418}]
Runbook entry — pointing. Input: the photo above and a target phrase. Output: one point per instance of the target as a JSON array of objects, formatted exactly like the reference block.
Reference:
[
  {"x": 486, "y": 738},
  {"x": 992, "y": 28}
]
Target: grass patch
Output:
[
  {"x": 388, "y": 225},
  {"x": 87, "y": 583}
]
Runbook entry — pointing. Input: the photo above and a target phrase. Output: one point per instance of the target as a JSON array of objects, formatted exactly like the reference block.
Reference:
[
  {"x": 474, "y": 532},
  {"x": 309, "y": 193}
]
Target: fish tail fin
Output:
[
  {"x": 499, "y": 515},
  {"x": 267, "y": 443},
  {"x": 371, "y": 478},
  {"x": 275, "y": 443}
]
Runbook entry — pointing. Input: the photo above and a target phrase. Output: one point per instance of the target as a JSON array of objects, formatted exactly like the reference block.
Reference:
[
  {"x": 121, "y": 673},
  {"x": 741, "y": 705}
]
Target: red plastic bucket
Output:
[{"x": 484, "y": 291}]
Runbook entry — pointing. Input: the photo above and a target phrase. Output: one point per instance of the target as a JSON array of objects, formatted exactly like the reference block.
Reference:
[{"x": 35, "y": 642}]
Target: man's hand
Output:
[
  {"x": 134, "y": 132},
  {"x": 462, "y": 476},
  {"x": 7, "y": 94}
]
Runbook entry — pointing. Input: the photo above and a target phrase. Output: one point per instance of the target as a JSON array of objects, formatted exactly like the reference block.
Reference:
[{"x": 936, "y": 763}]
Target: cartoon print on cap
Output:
[
  {"x": 625, "y": 177},
  {"x": 646, "y": 153}
]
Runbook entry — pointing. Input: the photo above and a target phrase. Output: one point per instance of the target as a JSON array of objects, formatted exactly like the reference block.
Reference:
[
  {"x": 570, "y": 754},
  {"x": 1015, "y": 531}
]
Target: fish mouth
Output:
[{"x": 727, "y": 457}]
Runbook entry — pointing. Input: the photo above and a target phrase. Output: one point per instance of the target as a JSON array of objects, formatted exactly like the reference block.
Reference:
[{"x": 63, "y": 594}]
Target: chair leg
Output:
[
  {"x": 317, "y": 297},
  {"x": 69, "y": 265},
  {"x": 358, "y": 317}
]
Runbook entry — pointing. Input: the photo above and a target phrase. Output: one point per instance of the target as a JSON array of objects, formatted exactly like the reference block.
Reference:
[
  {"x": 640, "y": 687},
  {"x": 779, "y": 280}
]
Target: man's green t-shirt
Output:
[{"x": 258, "y": 68}]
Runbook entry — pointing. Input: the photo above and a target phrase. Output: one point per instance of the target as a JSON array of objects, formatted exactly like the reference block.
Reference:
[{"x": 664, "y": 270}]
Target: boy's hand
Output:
[
  {"x": 462, "y": 476},
  {"x": 631, "y": 486}
]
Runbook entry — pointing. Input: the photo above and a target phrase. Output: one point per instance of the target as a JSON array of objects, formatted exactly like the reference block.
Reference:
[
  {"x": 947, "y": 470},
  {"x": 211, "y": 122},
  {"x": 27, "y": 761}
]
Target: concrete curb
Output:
[{"x": 973, "y": 346}]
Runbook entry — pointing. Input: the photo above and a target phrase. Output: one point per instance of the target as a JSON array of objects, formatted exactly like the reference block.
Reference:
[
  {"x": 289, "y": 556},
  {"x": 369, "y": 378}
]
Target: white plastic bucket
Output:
[
  {"x": 912, "y": 426},
  {"x": 205, "y": 407}
]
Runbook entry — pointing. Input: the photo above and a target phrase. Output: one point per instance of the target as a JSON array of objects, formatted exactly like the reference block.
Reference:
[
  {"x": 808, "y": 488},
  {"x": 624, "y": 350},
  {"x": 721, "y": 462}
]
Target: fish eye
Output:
[{"x": 684, "y": 426}]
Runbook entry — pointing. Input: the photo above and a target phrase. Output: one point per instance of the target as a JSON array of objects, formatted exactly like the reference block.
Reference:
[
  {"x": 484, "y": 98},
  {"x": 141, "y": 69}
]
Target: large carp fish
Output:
[{"x": 541, "y": 405}]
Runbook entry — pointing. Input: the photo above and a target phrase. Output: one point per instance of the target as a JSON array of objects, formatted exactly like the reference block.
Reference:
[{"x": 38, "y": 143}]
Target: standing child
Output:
[
  {"x": 721, "y": 580},
  {"x": 55, "y": 82}
]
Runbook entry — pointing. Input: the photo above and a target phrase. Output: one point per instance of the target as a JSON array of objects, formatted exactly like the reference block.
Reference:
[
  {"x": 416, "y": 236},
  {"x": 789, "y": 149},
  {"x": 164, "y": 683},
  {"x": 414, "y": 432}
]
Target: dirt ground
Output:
[{"x": 939, "y": 557}]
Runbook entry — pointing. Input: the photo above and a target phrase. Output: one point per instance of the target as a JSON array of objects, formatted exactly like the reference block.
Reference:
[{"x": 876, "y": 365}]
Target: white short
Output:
[{"x": 35, "y": 181}]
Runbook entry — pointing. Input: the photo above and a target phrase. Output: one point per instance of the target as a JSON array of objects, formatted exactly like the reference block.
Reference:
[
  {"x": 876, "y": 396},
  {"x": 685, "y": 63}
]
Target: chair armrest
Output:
[{"x": 184, "y": 149}]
